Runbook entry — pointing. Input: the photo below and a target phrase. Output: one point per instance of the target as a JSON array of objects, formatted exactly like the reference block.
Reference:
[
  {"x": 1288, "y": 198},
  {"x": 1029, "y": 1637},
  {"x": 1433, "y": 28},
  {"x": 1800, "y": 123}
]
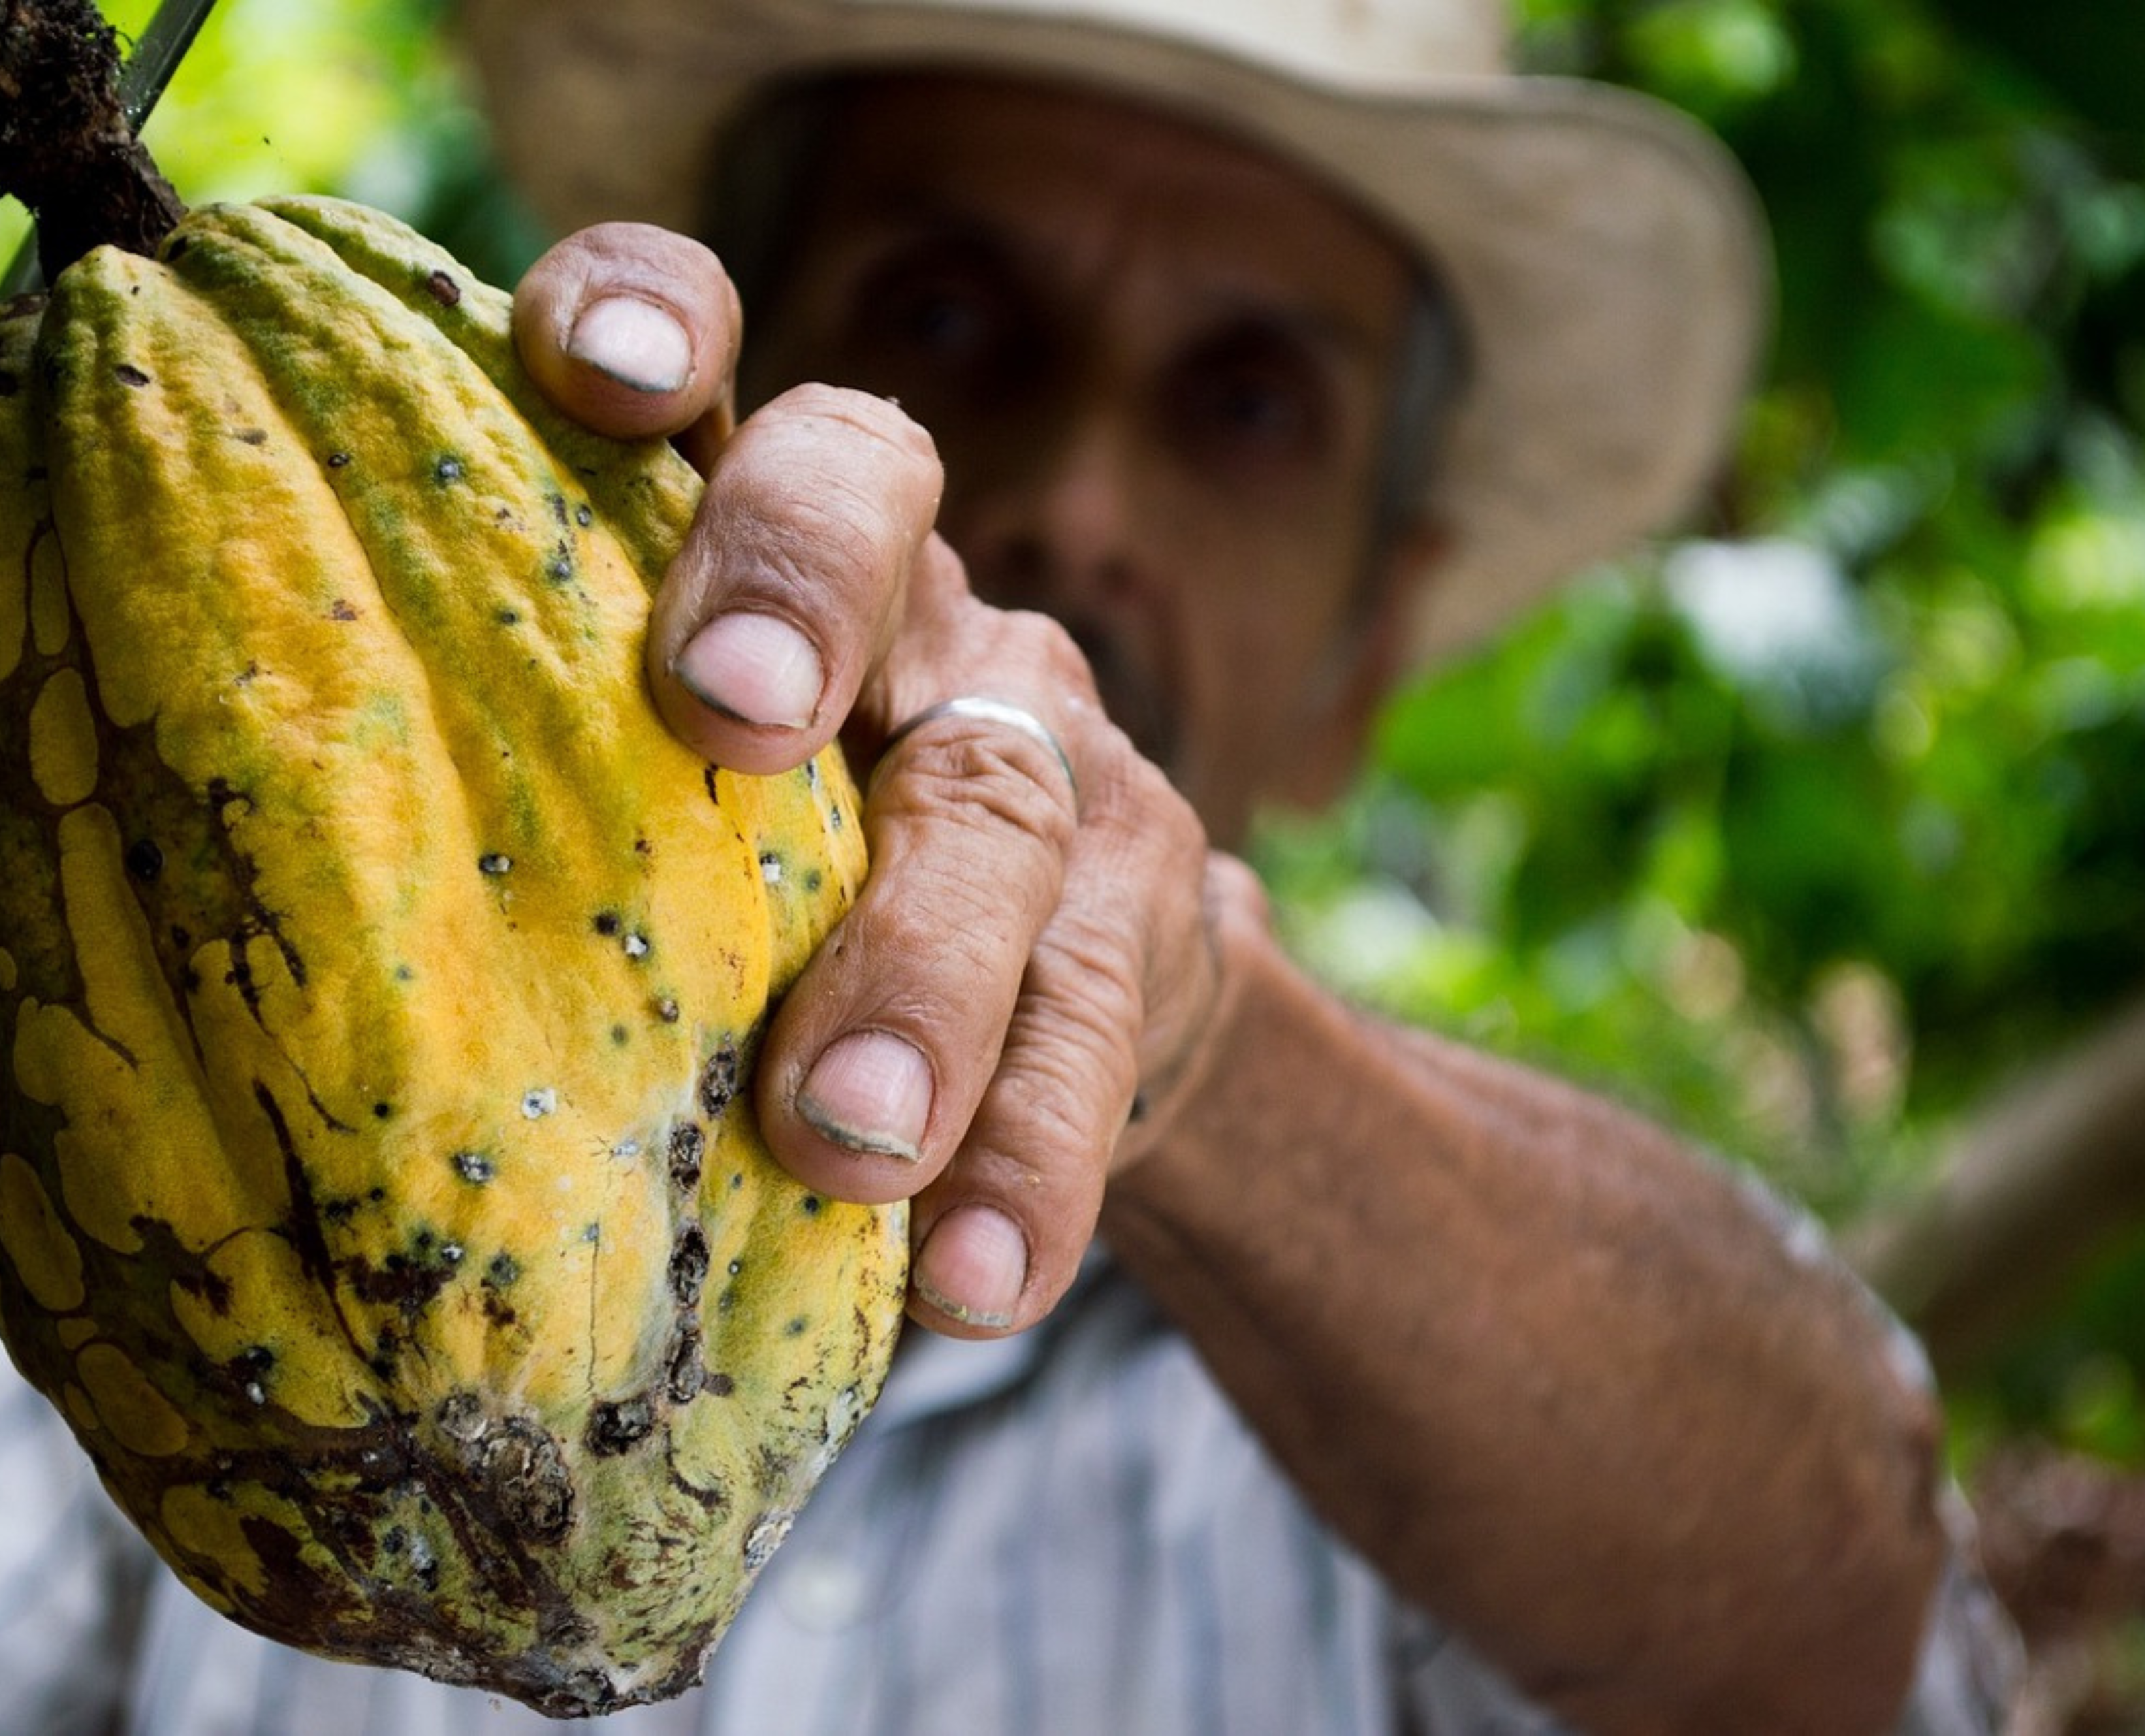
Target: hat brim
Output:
[{"x": 1606, "y": 252}]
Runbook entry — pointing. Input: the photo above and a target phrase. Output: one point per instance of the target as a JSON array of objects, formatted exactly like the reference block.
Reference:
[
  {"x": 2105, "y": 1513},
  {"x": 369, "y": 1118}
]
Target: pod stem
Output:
[{"x": 66, "y": 149}]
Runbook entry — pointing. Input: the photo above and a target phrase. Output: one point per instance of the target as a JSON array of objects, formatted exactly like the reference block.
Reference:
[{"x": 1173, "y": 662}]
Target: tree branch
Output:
[
  {"x": 66, "y": 150},
  {"x": 2052, "y": 1172}
]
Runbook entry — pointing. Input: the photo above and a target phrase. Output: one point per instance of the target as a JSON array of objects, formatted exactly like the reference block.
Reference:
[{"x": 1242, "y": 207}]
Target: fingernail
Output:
[
  {"x": 871, "y": 1092},
  {"x": 634, "y": 342},
  {"x": 974, "y": 1266},
  {"x": 754, "y": 668}
]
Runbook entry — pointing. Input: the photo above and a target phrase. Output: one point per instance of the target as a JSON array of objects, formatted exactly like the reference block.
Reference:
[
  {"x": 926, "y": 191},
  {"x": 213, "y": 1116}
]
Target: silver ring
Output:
[{"x": 978, "y": 709}]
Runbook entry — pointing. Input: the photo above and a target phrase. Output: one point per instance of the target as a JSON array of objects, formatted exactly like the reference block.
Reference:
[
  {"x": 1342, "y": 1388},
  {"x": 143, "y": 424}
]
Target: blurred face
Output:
[{"x": 1155, "y": 366}]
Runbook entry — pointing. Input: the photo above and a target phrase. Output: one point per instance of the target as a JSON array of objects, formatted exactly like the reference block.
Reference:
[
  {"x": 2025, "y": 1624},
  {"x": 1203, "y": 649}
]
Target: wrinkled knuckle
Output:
[
  {"x": 834, "y": 526},
  {"x": 1162, "y": 829},
  {"x": 1145, "y": 788},
  {"x": 1091, "y": 979},
  {"x": 838, "y": 533},
  {"x": 878, "y": 420},
  {"x": 953, "y": 931},
  {"x": 989, "y": 778},
  {"x": 1055, "y": 654}
]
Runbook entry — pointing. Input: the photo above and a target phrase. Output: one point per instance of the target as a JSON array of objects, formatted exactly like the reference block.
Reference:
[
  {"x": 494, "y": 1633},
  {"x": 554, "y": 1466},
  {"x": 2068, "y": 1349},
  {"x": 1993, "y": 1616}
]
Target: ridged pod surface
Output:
[{"x": 379, "y": 1197}]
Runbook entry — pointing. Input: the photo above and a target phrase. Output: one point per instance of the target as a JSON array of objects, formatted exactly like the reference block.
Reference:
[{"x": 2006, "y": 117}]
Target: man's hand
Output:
[{"x": 1031, "y": 951}]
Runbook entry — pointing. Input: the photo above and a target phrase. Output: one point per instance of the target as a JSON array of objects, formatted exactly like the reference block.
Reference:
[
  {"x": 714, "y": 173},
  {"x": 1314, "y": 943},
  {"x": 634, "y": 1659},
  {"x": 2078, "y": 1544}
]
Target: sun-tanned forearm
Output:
[{"x": 1556, "y": 1376}]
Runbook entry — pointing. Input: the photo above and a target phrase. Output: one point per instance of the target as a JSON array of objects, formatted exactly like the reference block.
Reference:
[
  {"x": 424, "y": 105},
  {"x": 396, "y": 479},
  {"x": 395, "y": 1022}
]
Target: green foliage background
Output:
[
  {"x": 1808, "y": 831},
  {"x": 1814, "y": 830}
]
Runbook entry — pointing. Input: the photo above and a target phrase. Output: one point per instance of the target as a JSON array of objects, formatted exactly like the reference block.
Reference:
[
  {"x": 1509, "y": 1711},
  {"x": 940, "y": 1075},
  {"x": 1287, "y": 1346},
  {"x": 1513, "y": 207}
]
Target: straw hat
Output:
[{"x": 1605, "y": 251}]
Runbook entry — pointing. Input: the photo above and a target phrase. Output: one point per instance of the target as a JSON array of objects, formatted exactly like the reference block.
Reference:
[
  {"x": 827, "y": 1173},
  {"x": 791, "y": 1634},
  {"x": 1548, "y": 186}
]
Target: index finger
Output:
[{"x": 632, "y": 330}]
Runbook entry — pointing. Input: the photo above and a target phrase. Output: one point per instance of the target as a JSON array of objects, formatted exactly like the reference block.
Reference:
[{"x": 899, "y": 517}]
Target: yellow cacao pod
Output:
[{"x": 381, "y": 1201}]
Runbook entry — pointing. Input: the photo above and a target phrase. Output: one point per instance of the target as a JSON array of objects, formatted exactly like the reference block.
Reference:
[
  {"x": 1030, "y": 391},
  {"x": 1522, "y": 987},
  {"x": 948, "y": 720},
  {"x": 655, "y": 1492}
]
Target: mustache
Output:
[{"x": 1132, "y": 698}]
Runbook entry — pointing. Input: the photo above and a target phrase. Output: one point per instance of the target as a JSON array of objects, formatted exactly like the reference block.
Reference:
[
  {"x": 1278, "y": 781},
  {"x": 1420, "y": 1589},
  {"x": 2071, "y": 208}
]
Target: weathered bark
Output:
[{"x": 2050, "y": 1174}]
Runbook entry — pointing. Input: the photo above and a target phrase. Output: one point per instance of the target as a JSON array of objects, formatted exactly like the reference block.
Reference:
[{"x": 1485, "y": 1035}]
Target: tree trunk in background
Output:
[{"x": 2053, "y": 1171}]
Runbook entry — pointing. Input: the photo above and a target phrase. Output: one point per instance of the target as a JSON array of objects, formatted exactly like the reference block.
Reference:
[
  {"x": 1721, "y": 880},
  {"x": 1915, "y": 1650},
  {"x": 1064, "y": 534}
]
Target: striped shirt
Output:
[{"x": 1069, "y": 1533}]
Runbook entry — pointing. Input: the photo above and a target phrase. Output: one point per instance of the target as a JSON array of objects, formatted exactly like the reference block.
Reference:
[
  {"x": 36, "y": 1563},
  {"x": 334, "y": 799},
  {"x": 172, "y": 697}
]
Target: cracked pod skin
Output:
[{"x": 379, "y": 1197}]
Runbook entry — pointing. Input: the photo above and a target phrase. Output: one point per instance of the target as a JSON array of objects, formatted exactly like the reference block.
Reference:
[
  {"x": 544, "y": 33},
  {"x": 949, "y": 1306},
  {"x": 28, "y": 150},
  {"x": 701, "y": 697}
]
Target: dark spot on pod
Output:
[
  {"x": 688, "y": 1266},
  {"x": 719, "y": 1080},
  {"x": 721, "y": 1385},
  {"x": 795, "y": 1327},
  {"x": 380, "y": 1111},
  {"x": 444, "y": 290},
  {"x": 492, "y": 862},
  {"x": 528, "y": 1479},
  {"x": 689, "y": 1145},
  {"x": 252, "y": 436},
  {"x": 685, "y": 1376},
  {"x": 557, "y": 503},
  {"x": 559, "y": 567},
  {"x": 502, "y": 1272},
  {"x": 145, "y": 861},
  {"x": 336, "y": 460},
  {"x": 607, "y": 922},
  {"x": 212, "y": 1289},
  {"x": 614, "y": 1429},
  {"x": 584, "y": 517},
  {"x": 619, "y": 1037},
  {"x": 666, "y": 1009},
  {"x": 248, "y": 1368},
  {"x": 811, "y": 1204},
  {"x": 449, "y": 469},
  {"x": 715, "y": 789},
  {"x": 567, "y": 1629},
  {"x": 127, "y": 374},
  {"x": 586, "y": 1691},
  {"x": 508, "y": 617},
  {"x": 813, "y": 881},
  {"x": 341, "y": 610}
]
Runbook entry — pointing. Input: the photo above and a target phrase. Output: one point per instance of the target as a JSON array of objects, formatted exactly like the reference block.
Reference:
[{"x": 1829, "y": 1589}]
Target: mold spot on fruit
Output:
[
  {"x": 617, "y": 1428},
  {"x": 718, "y": 1079},
  {"x": 688, "y": 1151}
]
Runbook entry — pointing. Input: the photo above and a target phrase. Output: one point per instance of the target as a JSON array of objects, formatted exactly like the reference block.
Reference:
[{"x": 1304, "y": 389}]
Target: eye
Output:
[
  {"x": 1252, "y": 395},
  {"x": 940, "y": 327},
  {"x": 940, "y": 314}
]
